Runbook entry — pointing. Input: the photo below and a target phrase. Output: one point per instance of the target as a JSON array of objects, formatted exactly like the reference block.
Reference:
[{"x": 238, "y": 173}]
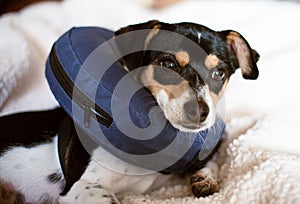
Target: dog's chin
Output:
[
  {"x": 191, "y": 127},
  {"x": 186, "y": 125}
]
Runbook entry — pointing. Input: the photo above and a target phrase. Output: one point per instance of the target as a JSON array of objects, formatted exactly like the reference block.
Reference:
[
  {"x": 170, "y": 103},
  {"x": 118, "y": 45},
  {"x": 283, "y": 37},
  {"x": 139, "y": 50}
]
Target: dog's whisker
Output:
[
  {"x": 158, "y": 110},
  {"x": 148, "y": 106},
  {"x": 145, "y": 96}
]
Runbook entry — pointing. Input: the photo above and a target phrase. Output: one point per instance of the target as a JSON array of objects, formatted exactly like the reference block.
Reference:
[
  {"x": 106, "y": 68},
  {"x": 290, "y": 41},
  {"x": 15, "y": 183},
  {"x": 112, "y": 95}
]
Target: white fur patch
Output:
[
  {"x": 174, "y": 111},
  {"x": 113, "y": 175},
  {"x": 27, "y": 169},
  {"x": 210, "y": 120},
  {"x": 162, "y": 98}
]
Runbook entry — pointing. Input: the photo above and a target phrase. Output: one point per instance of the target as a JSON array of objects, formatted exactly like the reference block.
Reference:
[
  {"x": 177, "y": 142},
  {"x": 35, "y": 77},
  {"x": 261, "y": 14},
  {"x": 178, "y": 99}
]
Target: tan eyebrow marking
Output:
[
  {"x": 211, "y": 61},
  {"x": 183, "y": 58}
]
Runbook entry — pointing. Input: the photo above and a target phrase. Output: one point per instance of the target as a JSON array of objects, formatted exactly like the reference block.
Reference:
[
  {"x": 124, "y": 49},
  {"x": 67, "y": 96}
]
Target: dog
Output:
[{"x": 30, "y": 160}]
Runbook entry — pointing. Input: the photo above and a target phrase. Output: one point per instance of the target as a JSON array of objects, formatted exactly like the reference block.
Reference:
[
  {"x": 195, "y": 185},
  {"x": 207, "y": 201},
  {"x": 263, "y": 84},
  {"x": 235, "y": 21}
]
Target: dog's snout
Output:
[
  {"x": 196, "y": 111},
  {"x": 191, "y": 109},
  {"x": 203, "y": 110}
]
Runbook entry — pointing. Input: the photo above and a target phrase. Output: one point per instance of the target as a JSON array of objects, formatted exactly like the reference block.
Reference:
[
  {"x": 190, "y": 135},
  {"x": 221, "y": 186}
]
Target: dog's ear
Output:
[
  {"x": 135, "y": 42},
  {"x": 243, "y": 55}
]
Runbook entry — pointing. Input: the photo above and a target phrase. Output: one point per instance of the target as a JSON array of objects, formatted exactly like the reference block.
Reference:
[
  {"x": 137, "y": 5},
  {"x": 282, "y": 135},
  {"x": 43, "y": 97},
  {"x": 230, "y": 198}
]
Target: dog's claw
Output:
[
  {"x": 203, "y": 186},
  {"x": 195, "y": 178}
]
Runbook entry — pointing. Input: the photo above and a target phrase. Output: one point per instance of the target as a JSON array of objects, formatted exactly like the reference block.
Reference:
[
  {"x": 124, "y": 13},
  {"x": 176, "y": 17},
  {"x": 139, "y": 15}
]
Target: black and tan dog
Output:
[{"x": 31, "y": 162}]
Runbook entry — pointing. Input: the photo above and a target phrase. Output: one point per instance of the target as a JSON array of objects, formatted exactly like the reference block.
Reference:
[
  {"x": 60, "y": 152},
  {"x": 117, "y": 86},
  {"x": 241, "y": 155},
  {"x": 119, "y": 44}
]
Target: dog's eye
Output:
[
  {"x": 218, "y": 74},
  {"x": 168, "y": 64}
]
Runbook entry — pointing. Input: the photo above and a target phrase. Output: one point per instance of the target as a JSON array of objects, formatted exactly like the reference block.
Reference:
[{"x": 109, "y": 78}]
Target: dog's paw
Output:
[{"x": 203, "y": 184}]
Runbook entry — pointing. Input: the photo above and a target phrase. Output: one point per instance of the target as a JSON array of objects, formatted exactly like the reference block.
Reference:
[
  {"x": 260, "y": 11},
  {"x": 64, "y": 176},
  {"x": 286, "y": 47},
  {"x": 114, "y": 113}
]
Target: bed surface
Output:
[{"x": 260, "y": 159}]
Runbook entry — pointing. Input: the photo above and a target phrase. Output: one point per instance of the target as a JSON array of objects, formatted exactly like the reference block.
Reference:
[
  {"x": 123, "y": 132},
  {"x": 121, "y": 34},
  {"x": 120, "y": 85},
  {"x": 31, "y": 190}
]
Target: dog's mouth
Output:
[
  {"x": 194, "y": 117},
  {"x": 192, "y": 127},
  {"x": 186, "y": 115},
  {"x": 184, "y": 122}
]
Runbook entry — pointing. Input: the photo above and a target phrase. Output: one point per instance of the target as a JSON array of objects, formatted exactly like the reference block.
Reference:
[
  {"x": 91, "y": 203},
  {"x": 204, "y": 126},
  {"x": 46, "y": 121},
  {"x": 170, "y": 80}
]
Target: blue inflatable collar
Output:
[{"x": 89, "y": 97}]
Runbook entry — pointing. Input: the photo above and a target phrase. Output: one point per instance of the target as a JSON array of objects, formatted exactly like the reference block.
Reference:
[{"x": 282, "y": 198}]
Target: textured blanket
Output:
[{"x": 260, "y": 158}]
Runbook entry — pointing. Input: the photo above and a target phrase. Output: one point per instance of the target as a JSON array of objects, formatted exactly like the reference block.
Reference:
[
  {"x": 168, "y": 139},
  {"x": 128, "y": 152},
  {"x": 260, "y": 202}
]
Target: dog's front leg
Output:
[
  {"x": 205, "y": 181},
  {"x": 88, "y": 192}
]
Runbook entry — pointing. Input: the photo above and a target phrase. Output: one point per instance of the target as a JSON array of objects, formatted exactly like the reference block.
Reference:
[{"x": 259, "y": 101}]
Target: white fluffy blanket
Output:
[{"x": 260, "y": 159}]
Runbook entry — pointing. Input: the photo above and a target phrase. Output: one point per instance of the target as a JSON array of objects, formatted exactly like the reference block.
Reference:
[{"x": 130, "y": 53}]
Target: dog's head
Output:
[{"x": 186, "y": 67}]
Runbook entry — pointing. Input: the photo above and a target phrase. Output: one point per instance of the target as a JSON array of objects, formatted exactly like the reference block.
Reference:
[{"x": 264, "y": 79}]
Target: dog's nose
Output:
[{"x": 196, "y": 111}]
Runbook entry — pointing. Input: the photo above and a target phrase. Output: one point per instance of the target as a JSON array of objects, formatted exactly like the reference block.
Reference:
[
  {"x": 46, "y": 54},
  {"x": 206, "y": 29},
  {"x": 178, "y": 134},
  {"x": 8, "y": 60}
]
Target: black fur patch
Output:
[
  {"x": 30, "y": 128},
  {"x": 205, "y": 42},
  {"x": 55, "y": 177}
]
